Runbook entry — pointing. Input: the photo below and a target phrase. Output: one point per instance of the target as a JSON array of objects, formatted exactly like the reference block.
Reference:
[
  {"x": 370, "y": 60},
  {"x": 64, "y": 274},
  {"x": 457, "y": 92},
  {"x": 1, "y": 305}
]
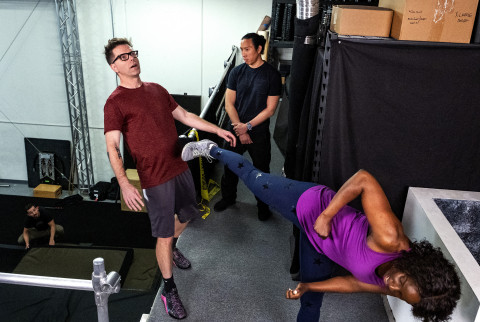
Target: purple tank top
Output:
[{"x": 347, "y": 244}]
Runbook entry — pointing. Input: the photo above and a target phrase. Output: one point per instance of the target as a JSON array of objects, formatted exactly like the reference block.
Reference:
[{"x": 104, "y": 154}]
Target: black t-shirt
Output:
[
  {"x": 252, "y": 87},
  {"x": 41, "y": 222}
]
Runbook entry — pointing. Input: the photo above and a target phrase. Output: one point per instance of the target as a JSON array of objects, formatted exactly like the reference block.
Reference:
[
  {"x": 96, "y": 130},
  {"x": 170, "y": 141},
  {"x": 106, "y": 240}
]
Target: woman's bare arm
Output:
[
  {"x": 386, "y": 230},
  {"x": 339, "y": 284}
]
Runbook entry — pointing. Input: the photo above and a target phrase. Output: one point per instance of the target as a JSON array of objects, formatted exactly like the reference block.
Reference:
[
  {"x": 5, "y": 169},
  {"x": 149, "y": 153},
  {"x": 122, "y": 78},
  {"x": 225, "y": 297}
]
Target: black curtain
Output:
[
  {"x": 408, "y": 112},
  {"x": 300, "y": 94},
  {"x": 308, "y": 122},
  {"x": 303, "y": 59}
]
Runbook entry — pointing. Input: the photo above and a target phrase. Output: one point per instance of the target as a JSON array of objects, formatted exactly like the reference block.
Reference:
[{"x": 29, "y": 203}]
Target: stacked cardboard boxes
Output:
[
  {"x": 417, "y": 20},
  {"x": 432, "y": 20}
]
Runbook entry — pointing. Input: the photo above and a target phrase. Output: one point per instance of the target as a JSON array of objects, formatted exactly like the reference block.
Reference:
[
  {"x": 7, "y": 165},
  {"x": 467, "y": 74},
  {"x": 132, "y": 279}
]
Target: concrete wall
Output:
[{"x": 182, "y": 45}]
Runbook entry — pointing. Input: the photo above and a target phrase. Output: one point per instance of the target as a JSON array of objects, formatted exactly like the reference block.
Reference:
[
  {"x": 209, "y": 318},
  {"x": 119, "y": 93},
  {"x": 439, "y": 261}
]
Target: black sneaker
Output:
[
  {"x": 222, "y": 205},
  {"x": 173, "y": 304},
  {"x": 179, "y": 260}
]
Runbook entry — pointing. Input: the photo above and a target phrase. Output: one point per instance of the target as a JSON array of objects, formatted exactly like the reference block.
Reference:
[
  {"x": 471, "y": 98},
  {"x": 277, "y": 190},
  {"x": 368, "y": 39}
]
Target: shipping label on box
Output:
[
  {"x": 432, "y": 20},
  {"x": 354, "y": 20}
]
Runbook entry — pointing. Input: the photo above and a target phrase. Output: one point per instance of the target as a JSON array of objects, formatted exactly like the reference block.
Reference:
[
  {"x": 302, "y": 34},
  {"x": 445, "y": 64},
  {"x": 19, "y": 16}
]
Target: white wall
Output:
[
  {"x": 182, "y": 45},
  {"x": 32, "y": 86}
]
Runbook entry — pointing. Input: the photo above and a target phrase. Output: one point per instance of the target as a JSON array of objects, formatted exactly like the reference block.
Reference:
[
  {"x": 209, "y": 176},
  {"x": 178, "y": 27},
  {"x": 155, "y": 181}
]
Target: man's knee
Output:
[
  {"x": 164, "y": 241},
  {"x": 34, "y": 234}
]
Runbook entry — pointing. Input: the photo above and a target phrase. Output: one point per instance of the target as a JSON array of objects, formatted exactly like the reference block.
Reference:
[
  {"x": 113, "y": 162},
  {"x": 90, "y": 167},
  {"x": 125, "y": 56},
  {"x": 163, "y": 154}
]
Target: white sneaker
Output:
[{"x": 198, "y": 149}]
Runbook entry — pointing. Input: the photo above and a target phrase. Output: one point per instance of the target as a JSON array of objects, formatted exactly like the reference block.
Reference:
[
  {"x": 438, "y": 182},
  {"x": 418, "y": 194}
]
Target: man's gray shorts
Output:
[{"x": 176, "y": 196}]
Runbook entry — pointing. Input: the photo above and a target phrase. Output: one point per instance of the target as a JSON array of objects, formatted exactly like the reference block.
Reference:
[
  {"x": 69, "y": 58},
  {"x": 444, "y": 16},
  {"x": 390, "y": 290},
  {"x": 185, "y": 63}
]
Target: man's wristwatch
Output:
[{"x": 249, "y": 126}]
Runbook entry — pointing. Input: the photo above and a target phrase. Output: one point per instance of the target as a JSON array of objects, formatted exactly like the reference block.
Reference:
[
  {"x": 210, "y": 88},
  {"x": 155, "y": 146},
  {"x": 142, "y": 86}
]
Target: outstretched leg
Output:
[{"x": 278, "y": 192}]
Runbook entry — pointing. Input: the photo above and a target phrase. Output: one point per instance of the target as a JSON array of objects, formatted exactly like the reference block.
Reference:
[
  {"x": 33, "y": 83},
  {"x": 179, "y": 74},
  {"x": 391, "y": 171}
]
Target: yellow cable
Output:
[{"x": 204, "y": 191}]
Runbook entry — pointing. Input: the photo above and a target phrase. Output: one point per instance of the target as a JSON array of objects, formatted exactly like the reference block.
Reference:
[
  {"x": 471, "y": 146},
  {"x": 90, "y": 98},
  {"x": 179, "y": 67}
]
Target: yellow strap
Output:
[
  {"x": 206, "y": 191},
  {"x": 213, "y": 188}
]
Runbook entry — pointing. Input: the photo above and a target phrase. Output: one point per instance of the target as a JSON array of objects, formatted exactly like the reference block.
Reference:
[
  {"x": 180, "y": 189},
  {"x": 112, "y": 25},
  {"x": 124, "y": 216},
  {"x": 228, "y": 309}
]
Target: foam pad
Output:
[{"x": 73, "y": 262}]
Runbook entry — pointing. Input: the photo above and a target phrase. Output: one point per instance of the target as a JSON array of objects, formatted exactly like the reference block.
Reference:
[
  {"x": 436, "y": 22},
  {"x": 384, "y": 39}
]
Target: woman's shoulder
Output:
[{"x": 390, "y": 241}]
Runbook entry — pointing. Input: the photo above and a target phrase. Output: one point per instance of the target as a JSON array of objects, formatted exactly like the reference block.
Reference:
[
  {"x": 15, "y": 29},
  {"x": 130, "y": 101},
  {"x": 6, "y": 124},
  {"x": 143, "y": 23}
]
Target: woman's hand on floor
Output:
[{"x": 296, "y": 293}]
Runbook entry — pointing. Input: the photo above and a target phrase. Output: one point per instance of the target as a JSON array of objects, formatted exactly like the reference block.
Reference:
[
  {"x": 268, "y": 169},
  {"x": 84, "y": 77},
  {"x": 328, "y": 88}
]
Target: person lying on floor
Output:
[{"x": 370, "y": 245}]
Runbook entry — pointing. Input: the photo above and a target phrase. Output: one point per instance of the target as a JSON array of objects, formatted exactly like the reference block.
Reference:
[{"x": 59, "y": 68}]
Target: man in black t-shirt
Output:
[
  {"x": 253, "y": 91},
  {"x": 39, "y": 223}
]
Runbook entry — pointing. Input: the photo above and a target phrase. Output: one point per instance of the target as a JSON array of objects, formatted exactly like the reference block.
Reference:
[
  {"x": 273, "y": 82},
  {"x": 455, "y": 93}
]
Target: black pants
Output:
[{"x": 260, "y": 152}]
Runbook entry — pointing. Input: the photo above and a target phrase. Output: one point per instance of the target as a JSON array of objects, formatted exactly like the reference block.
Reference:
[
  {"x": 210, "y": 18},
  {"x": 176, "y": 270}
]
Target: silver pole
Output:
[
  {"x": 46, "y": 281},
  {"x": 227, "y": 64},
  {"x": 103, "y": 286}
]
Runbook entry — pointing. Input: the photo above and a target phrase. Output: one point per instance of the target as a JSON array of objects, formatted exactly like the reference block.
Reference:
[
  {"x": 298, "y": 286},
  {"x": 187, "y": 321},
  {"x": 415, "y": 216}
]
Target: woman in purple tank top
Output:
[{"x": 371, "y": 245}]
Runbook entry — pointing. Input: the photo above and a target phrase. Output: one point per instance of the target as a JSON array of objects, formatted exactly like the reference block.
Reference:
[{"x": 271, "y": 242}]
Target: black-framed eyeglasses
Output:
[{"x": 126, "y": 56}]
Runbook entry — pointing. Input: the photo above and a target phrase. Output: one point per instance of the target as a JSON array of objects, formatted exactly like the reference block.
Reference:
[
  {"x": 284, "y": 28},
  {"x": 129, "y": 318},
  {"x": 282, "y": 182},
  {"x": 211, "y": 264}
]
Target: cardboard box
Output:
[
  {"x": 132, "y": 176},
  {"x": 432, "y": 20},
  {"x": 361, "y": 20},
  {"x": 47, "y": 191}
]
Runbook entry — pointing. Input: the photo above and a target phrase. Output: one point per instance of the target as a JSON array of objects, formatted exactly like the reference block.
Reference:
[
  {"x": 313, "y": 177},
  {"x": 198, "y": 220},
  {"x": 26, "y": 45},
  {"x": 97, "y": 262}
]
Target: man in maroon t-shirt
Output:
[{"x": 144, "y": 114}]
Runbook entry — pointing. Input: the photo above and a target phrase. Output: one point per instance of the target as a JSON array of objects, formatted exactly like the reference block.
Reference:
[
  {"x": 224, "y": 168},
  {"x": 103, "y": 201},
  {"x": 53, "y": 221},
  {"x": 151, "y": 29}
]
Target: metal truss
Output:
[{"x": 72, "y": 66}]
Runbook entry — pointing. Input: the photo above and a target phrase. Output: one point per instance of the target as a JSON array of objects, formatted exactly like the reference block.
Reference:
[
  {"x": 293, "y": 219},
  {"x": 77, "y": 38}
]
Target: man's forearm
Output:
[
  {"x": 242, "y": 128},
  {"x": 26, "y": 238},
  {"x": 261, "y": 117},
  {"x": 116, "y": 161},
  {"x": 267, "y": 112},
  {"x": 232, "y": 113},
  {"x": 197, "y": 122},
  {"x": 130, "y": 194}
]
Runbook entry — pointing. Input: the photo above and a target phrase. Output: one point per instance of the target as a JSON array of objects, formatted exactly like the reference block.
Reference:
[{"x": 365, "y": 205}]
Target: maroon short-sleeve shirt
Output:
[{"x": 144, "y": 116}]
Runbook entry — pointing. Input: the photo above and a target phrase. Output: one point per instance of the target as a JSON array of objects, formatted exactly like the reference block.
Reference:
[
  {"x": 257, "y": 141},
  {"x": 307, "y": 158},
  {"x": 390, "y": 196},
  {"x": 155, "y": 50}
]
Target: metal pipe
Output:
[
  {"x": 102, "y": 284},
  {"x": 307, "y": 8},
  {"x": 227, "y": 65},
  {"x": 111, "y": 16},
  {"x": 215, "y": 90},
  {"x": 46, "y": 281},
  {"x": 113, "y": 32}
]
